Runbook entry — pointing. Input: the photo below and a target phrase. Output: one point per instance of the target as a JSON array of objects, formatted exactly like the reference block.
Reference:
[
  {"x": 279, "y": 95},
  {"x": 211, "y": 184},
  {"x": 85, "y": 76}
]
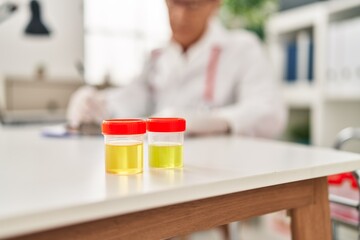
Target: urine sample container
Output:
[
  {"x": 165, "y": 139},
  {"x": 124, "y": 140}
]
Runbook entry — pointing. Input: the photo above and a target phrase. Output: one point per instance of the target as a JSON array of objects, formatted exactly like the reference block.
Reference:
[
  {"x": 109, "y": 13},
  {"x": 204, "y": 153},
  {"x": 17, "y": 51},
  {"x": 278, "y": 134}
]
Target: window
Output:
[{"x": 118, "y": 36}]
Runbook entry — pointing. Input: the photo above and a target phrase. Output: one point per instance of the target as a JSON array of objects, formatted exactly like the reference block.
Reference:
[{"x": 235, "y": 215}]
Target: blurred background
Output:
[{"x": 49, "y": 48}]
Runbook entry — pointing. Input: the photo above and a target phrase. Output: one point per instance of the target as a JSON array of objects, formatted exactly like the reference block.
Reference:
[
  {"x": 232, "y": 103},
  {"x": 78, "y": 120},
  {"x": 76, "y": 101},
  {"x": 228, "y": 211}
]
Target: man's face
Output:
[{"x": 188, "y": 18}]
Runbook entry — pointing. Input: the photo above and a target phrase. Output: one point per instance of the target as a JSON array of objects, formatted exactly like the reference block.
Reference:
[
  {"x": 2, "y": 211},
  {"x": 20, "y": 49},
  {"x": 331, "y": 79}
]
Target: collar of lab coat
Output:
[{"x": 213, "y": 36}]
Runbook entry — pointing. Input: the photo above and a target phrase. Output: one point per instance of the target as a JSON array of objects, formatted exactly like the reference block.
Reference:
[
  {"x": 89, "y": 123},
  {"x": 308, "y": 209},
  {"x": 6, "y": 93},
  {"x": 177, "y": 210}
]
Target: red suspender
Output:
[
  {"x": 154, "y": 56},
  {"x": 211, "y": 74}
]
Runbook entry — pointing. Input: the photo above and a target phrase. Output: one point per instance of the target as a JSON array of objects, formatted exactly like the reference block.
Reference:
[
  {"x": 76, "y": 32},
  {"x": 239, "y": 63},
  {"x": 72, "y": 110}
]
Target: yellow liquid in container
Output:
[
  {"x": 165, "y": 155},
  {"x": 124, "y": 159}
]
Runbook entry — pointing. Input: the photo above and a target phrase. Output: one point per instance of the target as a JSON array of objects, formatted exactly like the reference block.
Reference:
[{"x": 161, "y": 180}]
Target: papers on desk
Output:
[
  {"x": 62, "y": 130},
  {"x": 57, "y": 131}
]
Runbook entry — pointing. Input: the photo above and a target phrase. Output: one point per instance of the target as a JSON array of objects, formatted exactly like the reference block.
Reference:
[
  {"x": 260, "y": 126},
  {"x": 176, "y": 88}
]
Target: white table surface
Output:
[{"x": 47, "y": 182}]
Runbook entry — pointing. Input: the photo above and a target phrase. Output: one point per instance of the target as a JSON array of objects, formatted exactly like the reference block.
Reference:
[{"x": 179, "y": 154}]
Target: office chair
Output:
[{"x": 349, "y": 203}]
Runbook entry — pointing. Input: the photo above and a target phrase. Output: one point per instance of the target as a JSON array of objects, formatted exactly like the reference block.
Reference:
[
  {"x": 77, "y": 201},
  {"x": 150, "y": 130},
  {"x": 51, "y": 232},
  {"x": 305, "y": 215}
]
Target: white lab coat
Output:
[{"x": 225, "y": 74}]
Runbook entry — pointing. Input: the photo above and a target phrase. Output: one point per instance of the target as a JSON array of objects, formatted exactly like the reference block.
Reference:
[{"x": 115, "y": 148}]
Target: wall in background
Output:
[
  {"x": 119, "y": 36},
  {"x": 21, "y": 54}
]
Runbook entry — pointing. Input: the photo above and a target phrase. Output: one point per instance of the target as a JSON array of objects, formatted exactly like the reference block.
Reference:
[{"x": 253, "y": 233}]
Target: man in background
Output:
[{"x": 219, "y": 80}]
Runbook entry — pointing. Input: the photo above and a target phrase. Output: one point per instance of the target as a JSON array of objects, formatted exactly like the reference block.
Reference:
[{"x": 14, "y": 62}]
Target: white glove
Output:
[
  {"x": 87, "y": 105},
  {"x": 199, "y": 122}
]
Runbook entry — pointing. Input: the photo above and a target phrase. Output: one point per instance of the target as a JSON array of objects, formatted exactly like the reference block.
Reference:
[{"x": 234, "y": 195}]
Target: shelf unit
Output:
[
  {"x": 329, "y": 111},
  {"x": 298, "y": 95},
  {"x": 341, "y": 97}
]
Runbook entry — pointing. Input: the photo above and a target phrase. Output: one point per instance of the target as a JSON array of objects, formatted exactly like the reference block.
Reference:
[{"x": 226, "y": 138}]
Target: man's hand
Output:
[{"x": 87, "y": 105}]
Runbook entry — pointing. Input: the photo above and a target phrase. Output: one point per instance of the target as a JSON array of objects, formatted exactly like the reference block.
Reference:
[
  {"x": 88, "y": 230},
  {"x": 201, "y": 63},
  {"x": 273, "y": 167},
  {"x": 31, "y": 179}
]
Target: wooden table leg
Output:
[{"x": 312, "y": 222}]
